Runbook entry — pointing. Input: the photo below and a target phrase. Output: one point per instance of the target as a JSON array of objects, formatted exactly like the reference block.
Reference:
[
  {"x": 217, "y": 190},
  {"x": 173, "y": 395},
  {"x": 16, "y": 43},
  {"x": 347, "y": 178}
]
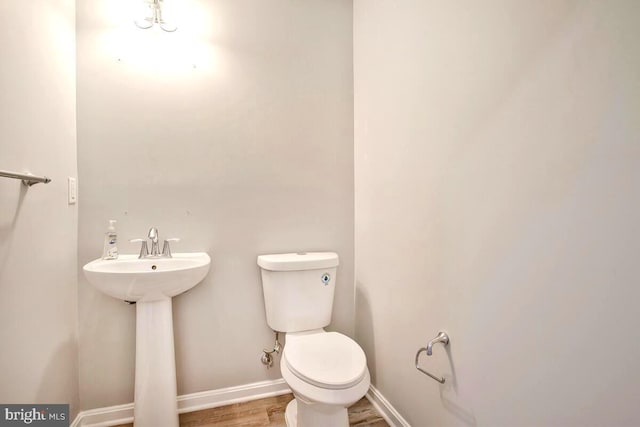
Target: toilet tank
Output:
[{"x": 298, "y": 289}]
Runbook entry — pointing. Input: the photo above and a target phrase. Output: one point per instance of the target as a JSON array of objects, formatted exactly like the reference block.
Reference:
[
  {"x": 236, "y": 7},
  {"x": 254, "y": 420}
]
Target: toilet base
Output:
[
  {"x": 301, "y": 414},
  {"x": 291, "y": 414}
]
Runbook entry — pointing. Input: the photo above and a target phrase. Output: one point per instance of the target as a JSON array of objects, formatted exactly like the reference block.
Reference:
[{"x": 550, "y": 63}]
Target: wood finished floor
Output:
[{"x": 269, "y": 412}]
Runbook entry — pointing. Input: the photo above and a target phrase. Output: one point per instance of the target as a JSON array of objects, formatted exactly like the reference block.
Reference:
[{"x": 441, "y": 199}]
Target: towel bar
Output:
[{"x": 27, "y": 179}]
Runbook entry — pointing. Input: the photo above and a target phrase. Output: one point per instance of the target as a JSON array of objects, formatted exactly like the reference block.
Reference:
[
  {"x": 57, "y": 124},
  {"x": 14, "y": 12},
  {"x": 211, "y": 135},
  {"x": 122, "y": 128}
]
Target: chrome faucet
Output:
[
  {"x": 155, "y": 246},
  {"x": 153, "y": 236}
]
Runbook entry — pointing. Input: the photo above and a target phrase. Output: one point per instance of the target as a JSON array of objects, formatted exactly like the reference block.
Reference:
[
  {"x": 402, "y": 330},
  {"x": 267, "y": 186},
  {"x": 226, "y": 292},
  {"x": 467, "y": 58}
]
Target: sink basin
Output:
[{"x": 149, "y": 279}]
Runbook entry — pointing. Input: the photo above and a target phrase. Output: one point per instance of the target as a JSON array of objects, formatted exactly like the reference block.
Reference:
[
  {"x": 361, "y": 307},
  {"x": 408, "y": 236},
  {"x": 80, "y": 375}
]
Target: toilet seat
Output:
[{"x": 327, "y": 360}]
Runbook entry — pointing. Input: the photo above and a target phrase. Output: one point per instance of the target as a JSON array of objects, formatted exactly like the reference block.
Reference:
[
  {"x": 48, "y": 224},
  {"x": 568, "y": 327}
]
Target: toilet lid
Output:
[{"x": 327, "y": 360}]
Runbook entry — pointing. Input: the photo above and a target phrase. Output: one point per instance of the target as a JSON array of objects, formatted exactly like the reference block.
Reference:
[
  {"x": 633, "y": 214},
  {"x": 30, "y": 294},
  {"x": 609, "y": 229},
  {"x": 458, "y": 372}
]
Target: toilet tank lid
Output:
[{"x": 298, "y": 261}]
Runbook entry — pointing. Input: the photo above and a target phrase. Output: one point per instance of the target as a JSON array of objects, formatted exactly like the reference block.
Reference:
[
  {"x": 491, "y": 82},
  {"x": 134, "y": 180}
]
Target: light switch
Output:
[{"x": 73, "y": 191}]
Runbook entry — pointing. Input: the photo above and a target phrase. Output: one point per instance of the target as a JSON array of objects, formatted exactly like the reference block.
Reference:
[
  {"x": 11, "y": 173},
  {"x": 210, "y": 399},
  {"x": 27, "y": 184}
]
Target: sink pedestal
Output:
[
  {"x": 151, "y": 282},
  {"x": 155, "y": 381}
]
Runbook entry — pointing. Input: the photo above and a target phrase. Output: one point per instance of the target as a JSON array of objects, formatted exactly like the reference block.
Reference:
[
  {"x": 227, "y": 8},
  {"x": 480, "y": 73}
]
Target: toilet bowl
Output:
[{"x": 327, "y": 372}]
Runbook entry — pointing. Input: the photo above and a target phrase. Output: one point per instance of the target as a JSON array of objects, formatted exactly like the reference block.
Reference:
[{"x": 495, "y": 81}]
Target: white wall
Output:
[
  {"x": 235, "y": 134},
  {"x": 38, "y": 230},
  {"x": 497, "y": 163}
]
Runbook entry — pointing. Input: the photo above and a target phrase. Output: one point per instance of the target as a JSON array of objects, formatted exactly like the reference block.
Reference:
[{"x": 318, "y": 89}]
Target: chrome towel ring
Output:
[{"x": 441, "y": 338}]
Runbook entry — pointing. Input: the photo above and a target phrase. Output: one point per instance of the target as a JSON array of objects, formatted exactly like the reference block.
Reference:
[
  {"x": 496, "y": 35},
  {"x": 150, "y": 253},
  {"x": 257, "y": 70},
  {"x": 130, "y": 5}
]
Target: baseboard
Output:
[
  {"x": 123, "y": 414},
  {"x": 386, "y": 410}
]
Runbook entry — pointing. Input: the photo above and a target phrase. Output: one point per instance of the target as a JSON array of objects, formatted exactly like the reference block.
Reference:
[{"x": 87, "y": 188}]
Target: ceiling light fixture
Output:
[{"x": 154, "y": 16}]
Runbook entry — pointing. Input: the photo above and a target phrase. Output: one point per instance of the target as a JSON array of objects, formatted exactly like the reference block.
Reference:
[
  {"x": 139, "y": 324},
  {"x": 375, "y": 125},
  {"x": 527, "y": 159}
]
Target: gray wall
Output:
[
  {"x": 38, "y": 229},
  {"x": 236, "y": 135},
  {"x": 497, "y": 163}
]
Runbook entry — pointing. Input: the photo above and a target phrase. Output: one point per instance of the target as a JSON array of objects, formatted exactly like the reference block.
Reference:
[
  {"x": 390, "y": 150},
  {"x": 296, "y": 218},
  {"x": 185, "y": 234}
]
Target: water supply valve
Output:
[
  {"x": 267, "y": 355},
  {"x": 267, "y": 359}
]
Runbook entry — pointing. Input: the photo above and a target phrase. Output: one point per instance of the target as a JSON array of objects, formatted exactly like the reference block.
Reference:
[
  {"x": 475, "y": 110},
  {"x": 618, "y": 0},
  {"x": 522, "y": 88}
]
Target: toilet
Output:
[{"x": 326, "y": 371}]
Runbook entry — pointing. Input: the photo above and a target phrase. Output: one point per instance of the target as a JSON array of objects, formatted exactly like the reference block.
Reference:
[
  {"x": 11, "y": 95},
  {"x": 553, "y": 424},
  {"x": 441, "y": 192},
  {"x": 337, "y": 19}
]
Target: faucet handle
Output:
[
  {"x": 166, "y": 249},
  {"x": 144, "y": 251}
]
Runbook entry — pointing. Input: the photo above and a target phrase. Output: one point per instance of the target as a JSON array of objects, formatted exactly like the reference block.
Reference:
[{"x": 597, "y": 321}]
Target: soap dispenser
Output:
[{"x": 110, "y": 249}]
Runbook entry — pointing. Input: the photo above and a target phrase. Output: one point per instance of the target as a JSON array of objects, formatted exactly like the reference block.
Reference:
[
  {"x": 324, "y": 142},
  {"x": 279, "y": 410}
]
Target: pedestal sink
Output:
[{"x": 151, "y": 283}]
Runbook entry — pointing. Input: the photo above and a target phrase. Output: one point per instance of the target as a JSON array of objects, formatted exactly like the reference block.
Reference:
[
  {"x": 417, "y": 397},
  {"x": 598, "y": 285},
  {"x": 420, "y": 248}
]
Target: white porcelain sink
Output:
[
  {"x": 149, "y": 279},
  {"x": 151, "y": 282}
]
